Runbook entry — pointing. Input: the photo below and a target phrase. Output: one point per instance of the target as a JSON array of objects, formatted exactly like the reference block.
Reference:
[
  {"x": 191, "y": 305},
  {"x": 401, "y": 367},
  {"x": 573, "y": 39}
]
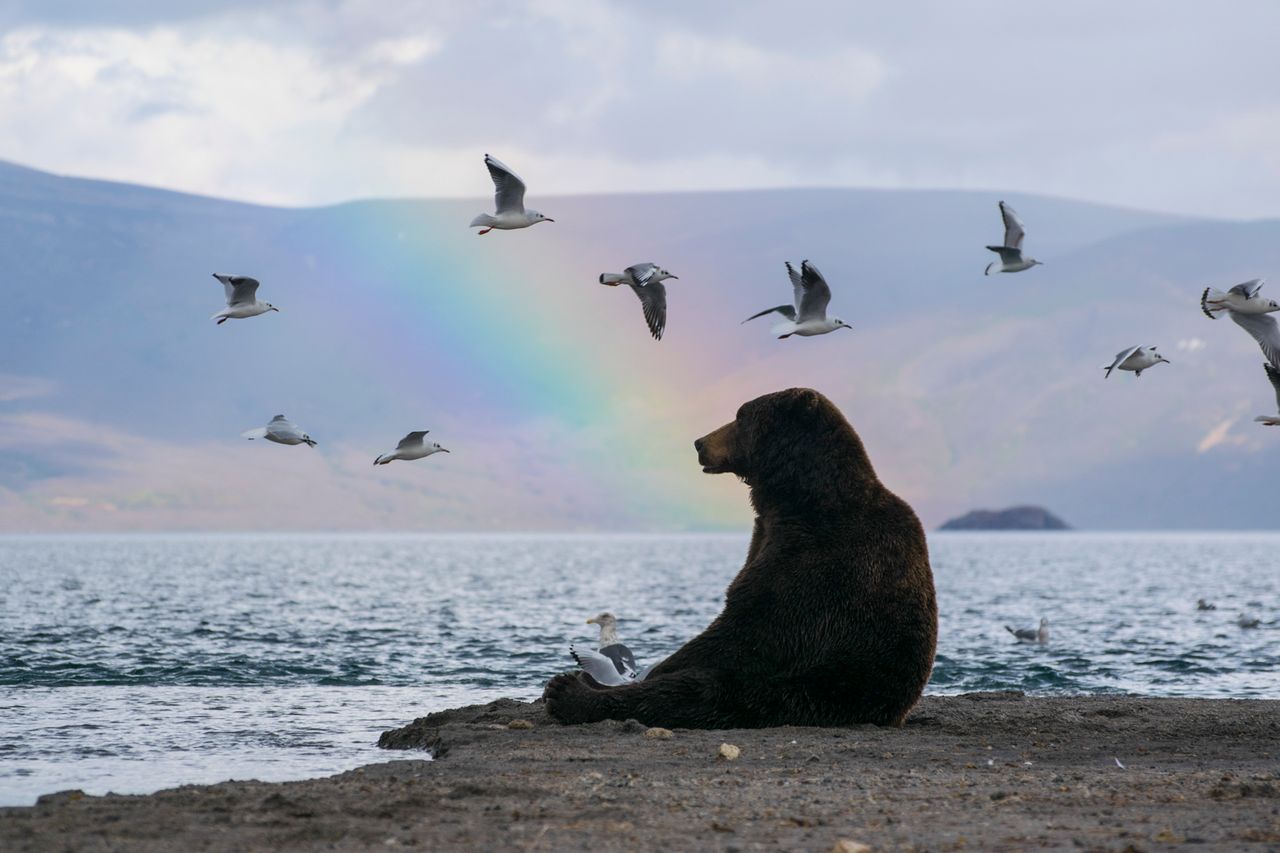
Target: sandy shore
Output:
[{"x": 985, "y": 771}]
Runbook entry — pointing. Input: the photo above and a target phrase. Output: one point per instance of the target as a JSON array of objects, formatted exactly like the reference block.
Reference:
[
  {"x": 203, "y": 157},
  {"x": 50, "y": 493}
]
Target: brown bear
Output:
[{"x": 832, "y": 619}]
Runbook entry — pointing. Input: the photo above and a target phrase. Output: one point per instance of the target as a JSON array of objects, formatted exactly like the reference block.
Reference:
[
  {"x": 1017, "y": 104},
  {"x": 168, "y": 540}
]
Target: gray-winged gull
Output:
[
  {"x": 1274, "y": 376},
  {"x": 1031, "y": 635},
  {"x": 1244, "y": 298},
  {"x": 808, "y": 316},
  {"x": 509, "y": 212},
  {"x": 411, "y": 447},
  {"x": 1136, "y": 359},
  {"x": 646, "y": 281},
  {"x": 281, "y": 430},
  {"x": 242, "y": 299},
  {"x": 1010, "y": 252}
]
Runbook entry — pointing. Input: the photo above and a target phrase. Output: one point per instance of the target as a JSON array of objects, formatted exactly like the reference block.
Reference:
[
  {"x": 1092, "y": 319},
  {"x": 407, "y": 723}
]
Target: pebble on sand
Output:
[
  {"x": 519, "y": 724},
  {"x": 658, "y": 733},
  {"x": 845, "y": 845},
  {"x": 729, "y": 752}
]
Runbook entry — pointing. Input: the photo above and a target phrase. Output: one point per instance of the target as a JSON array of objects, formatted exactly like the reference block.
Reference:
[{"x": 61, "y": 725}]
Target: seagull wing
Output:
[
  {"x": 241, "y": 289},
  {"x": 509, "y": 189},
  {"x": 623, "y": 660},
  {"x": 653, "y": 297},
  {"x": 1265, "y": 331},
  {"x": 1121, "y": 357},
  {"x": 1013, "y": 230},
  {"x": 1274, "y": 376},
  {"x": 812, "y": 293},
  {"x": 238, "y": 288},
  {"x": 788, "y": 311},
  {"x": 597, "y": 666},
  {"x": 282, "y": 427},
  {"x": 412, "y": 438},
  {"x": 1248, "y": 289},
  {"x": 641, "y": 273}
]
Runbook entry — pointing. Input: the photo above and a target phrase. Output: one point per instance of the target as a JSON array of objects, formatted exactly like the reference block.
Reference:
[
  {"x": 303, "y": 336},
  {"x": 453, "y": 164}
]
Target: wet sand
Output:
[{"x": 983, "y": 771}]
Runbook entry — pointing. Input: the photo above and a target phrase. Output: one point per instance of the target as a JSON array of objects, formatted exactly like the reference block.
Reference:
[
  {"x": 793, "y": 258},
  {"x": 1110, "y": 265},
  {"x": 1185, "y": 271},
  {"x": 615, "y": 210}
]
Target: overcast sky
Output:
[{"x": 1165, "y": 105}]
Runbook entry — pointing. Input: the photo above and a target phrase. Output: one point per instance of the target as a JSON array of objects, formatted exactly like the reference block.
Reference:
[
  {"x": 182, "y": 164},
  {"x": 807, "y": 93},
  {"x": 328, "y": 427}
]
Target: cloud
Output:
[
  {"x": 14, "y": 388},
  {"x": 312, "y": 101}
]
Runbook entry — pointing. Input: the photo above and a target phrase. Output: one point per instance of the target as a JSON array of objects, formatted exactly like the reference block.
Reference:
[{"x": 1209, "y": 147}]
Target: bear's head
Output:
[{"x": 790, "y": 446}]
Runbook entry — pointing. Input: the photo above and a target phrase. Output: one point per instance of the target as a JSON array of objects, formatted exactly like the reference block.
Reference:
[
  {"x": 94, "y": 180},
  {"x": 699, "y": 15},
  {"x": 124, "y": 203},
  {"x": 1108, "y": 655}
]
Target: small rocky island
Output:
[{"x": 1013, "y": 518}]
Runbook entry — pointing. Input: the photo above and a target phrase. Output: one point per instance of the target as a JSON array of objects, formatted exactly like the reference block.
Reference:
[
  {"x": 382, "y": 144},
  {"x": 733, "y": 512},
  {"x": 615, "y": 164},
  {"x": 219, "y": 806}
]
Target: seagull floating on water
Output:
[
  {"x": 646, "y": 280},
  {"x": 1031, "y": 635},
  {"x": 1245, "y": 621},
  {"x": 1241, "y": 299},
  {"x": 508, "y": 201},
  {"x": 1201, "y": 604},
  {"x": 1274, "y": 376},
  {"x": 1136, "y": 359},
  {"x": 1250, "y": 312},
  {"x": 281, "y": 430},
  {"x": 242, "y": 300},
  {"x": 808, "y": 316},
  {"x": 411, "y": 447},
  {"x": 1010, "y": 253}
]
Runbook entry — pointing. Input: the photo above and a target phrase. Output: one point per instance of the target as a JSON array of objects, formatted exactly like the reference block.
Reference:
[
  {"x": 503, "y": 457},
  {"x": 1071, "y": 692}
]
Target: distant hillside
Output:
[
  {"x": 1013, "y": 518},
  {"x": 121, "y": 403}
]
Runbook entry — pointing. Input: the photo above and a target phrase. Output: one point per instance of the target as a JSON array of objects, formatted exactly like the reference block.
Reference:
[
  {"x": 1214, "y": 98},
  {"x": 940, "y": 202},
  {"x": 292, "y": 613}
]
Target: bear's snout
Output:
[{"x": 716, "y": 449}]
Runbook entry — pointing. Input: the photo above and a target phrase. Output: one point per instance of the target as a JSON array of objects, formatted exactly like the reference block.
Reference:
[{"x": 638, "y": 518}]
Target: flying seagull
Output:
[
  {"x": 242, "y": 300},
  {"x": 1274, "y": 376},
  {"x": 1010, "y": 253},
  {"x": 1136, "y": 359},
  {"x": 281, "y": 430},
  {"x": 646, "y": 280},
  {"x": 508, "y": 200},
  {"x": 809, "y": 314},
  {"x": 1031, "y": 635},
  {"x": 411, "y": 447},
  {"x": 1241, "y": 299},
  {"x": 1250, "y": 312},
  {"x": 623, "y": 660}
]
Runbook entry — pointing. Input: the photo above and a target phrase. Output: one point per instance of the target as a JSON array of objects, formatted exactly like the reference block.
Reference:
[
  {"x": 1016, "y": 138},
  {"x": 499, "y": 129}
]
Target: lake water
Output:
[{"x": 134, "y": 663}]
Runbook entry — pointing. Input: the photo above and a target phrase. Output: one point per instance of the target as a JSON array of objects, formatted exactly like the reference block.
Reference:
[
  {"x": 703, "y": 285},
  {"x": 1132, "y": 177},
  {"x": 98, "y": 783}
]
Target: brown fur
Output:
[{"x": 832, "y": 619}]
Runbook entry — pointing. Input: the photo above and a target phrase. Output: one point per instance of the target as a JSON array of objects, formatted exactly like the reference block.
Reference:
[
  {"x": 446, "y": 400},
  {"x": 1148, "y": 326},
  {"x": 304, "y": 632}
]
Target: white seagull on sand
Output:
[
  {"x": 1031, "y": 635},
  {"x": 613, "y": 663},
  {"x": 281, "y": 430},
  {"x": 1250, "y": 312},
  {"x": 1274, "y": 376},
  {"x": 508, "y": 200},
  {"x": 809, "y": 314},
  {"x": 242, "y": 300},
  {"x": 646, "y": 280},
  {"x": 1242, "y": 299},
  {"x": 411, "y": 447},
  {"x": 1010, "y": 253},
  {"x": 1136, "y": 359}
]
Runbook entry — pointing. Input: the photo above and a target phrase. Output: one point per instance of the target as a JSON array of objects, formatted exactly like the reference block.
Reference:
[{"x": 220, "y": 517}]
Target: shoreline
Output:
[{"x": 984, "y": 770}]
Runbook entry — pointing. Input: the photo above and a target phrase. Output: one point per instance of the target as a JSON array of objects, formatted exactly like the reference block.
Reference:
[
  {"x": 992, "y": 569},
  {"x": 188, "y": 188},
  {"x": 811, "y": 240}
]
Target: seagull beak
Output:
[
  {"x": 676, "y": 277},
  {"x": 444, "y": 450},
  {"x": 549, "y": 219},
  {"x": 274, "y": 308}
]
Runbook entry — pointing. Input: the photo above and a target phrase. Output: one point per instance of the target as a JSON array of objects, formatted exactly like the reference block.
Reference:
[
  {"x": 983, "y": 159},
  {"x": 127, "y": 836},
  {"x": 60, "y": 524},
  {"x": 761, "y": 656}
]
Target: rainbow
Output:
[{"x": 516, "y": 324}]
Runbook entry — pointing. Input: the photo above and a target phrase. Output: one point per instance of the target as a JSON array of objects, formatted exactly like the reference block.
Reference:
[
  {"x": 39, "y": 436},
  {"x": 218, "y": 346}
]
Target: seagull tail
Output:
[
  {"x": 612, "y": 279},
  {"x": 483, "y": 220},
  {"x": 1211, "y": 302}
]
